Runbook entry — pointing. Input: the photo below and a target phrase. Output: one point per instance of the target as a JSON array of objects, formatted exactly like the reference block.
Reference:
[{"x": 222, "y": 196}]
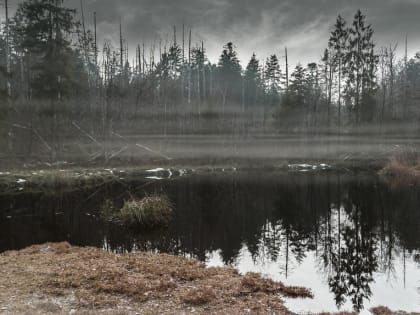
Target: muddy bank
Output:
[{"x": 61, "y": 279}]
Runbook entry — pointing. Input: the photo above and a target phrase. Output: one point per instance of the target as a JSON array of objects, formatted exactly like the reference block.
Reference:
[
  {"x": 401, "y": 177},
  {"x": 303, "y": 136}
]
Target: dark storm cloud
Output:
[{"x": 263, "y": 26}]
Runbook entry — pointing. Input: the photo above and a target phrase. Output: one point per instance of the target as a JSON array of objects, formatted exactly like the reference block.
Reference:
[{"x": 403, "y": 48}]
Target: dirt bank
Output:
[{"x": 61, "y": 279}]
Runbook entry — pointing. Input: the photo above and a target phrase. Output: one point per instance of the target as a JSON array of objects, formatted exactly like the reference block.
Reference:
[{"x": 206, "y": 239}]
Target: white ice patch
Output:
[
  {"x": 155, "y": 177},
  {"x": 21, "y": 181}
]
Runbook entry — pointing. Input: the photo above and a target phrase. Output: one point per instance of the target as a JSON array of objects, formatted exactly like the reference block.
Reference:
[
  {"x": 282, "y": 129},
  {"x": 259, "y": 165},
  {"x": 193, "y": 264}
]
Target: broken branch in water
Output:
[
  {"x": 146, "y": 148},
  {"x": 85, "y": 133},
  {"x": 152, "y": 151}
]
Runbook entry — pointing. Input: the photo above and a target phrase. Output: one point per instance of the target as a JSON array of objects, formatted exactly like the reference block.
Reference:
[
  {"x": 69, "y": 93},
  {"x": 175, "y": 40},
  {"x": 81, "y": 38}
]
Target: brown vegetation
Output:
[
  {"x": 149, "y": 212},
  {"x": 62, "y": 279},
  {"x": 401, "y": 171},
  {"x": 382, "y": 310},
  {"x": 58, "y": 278}
]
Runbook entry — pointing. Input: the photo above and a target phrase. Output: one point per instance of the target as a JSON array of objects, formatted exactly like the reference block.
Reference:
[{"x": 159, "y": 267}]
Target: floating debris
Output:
[
  {"x": 156, "y": 170},
  {"x": 155, "y": 177},
  {"x": 308, "y": 167}
]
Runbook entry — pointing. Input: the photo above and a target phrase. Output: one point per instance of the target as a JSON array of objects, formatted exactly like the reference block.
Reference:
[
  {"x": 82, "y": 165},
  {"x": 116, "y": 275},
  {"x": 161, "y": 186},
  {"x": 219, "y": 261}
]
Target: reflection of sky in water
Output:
[
  {"x": 259, "y": 221},
  {"x": 386, "y": 290}
]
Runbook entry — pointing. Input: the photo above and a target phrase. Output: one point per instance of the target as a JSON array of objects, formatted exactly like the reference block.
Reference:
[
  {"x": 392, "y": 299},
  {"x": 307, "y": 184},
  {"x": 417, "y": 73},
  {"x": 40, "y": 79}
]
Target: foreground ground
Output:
[{"x": 62, "y": 279}]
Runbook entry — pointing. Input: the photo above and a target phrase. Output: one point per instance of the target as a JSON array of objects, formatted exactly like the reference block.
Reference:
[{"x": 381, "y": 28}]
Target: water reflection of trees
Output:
[{"x": 354, "y": 225}]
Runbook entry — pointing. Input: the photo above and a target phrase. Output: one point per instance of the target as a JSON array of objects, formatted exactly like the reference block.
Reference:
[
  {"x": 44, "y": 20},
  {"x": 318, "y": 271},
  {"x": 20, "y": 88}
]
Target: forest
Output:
[{"x": 58, "y": 83}]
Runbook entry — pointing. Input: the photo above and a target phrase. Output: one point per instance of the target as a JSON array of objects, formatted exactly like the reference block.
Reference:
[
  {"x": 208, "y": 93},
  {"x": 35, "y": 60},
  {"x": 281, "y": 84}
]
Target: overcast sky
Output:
[{"x": 260, "y": 26}]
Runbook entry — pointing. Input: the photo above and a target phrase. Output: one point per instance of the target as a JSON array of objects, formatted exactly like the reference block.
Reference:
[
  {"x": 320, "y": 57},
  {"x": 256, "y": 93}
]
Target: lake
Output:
[{"x": 350, "y": 237}]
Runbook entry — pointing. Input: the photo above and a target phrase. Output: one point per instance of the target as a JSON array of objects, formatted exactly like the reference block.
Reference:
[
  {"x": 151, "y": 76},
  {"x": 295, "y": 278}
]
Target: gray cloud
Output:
[{"x": 261, "y": 26}]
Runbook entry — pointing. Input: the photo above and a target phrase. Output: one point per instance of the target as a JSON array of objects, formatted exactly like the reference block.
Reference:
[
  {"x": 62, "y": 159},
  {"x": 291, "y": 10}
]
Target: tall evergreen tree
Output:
[
  {"x": 337, "y": 43},
  {"x": 42, "y": 31},
  {"x": 229, "y": 72},
  {"x": 252, "y": 79},
  {"x": 360, "y": 68},
  {"x": 272, "y": 77}
]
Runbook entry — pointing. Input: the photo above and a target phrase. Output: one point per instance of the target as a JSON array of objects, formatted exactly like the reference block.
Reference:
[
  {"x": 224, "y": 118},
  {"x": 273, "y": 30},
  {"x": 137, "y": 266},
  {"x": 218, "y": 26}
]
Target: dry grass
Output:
[
  {"x": 401, "y": 171},
  {"x": 149, "y": 212},
  {"x": 199, "y": 296},
  {"x": 62, "y": 277},
  {"x": 382, "y": 310},
  {"x": 253, "y": 282}
]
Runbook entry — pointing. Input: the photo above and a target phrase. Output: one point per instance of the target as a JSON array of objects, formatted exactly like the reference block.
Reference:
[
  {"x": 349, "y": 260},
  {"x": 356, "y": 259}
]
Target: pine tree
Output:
[
  {"x": 272, "y": 79},
  {"x": 42, "y": 31},
  {"x": 252, "y": 79},
  {"x": 337, "y": 43},
  {"x": 360, "y": 68},
  {"x": 229, "y": 73}
]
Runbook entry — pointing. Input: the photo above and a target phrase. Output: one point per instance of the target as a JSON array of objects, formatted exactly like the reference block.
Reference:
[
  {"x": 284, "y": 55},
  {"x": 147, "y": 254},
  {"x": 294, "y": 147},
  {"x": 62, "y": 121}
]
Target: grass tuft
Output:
[
  {"x": 401, "y": 171},
  {"x": 198, "y": 296},
  {"x": 149, "y": 212},
  {"x": 253, "y": 282}
]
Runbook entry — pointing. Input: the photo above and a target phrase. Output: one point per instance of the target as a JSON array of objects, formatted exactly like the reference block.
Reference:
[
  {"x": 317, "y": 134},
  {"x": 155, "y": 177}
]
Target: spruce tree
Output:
[
  {"x": 360, "y": 68},
  {"x": 337, "y": 43},
  {"x": 272, "y": 79},
  {"x": 252, "y": 79},
  {"x": 42, "y": 31}
]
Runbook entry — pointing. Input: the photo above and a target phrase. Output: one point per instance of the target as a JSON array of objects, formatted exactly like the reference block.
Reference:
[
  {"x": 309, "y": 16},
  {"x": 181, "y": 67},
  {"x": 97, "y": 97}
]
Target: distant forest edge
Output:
[{"x": 57, "y": 81}]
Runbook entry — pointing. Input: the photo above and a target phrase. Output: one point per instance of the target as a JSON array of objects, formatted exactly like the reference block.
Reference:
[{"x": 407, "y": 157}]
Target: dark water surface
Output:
[{"x": 351, "y": 238}]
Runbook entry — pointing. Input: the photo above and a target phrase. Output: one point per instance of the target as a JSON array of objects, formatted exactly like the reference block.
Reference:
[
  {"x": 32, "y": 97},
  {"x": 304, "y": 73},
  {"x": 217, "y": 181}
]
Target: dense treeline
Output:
[{"x": 54, "y": 73}]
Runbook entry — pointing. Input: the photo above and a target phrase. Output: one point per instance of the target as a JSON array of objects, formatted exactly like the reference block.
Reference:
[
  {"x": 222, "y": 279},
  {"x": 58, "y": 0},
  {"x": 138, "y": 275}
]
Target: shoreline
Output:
[{"x": 57, "y": 278}]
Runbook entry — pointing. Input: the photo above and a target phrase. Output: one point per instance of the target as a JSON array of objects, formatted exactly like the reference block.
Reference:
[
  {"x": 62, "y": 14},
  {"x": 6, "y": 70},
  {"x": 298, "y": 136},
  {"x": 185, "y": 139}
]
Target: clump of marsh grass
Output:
[
  {"x": 402, "y": 171},
  {"x": 149, "y": 212}
]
